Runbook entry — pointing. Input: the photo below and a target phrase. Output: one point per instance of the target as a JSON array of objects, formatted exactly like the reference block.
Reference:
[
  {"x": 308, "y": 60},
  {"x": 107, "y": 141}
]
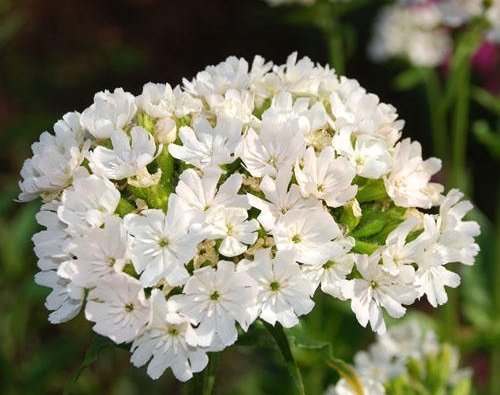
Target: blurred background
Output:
[{"x": 55, "y": 54}]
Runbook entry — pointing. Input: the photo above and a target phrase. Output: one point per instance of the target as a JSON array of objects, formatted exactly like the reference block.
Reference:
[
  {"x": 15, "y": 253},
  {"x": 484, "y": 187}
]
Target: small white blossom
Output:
[
  {"x": 118, "y": 307},
  {"x": 127, "y": 158},
  {"x": 326, "y": 177},
  {"x": 308, "y": 232},
  {"x": 278, "y": 144},
  {"x": 230, "y": 224},
  {"x": 110, "y": 111},
  {"x": 283, "y": 291},
  {"x": 408, "y": 183},
  {"x": 280, "y": 199},
  {"x": 161, "y": 244},
  {"x": 55, "y": 159},
  {"x": 377, "y": 289},
  {"x": 87, "y": 203},
  {"x": 65, "y": 300},
  {"x": 169, "y": 342},
  {"x": 98, "y": 254},
  {"x": 215, "y": 299},
  {"x": 457, "y": 12},
  {"x": 200, "y": 194},
  {"x": 368, "y": 155},
  {"x": 206, "y": 146}
]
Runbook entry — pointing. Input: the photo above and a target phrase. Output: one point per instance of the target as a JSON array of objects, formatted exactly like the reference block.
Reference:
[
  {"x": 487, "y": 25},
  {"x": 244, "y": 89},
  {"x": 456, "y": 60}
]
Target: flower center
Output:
[
  {"x": 275, "y": 286},
  {"x": 296, "y": 238},
  {"x": 214, "y": 296},
  {"x": 129, "y": 307},
  {"x": 164, "y": 242}
]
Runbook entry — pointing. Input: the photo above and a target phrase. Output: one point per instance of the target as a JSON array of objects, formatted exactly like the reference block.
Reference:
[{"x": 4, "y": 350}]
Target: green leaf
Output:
[
  {"x": 487, "y": 137},
  {"x": 486, "y": 99},
  {"x": 98, "y": 344}
]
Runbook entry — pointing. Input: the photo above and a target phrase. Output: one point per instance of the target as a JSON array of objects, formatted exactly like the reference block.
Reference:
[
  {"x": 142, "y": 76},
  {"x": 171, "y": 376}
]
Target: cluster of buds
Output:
[
  {"x": 180, "y": 216},
  {"x": 408, "y": 359}
]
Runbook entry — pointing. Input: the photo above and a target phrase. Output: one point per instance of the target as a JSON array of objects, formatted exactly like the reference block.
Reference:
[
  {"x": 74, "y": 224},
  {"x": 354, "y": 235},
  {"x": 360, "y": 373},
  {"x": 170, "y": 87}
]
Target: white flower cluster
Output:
[
  {"x": 403, "y": 360},
  {"x": 421, "y": 30},
  {"x": 180, "y": 215}
]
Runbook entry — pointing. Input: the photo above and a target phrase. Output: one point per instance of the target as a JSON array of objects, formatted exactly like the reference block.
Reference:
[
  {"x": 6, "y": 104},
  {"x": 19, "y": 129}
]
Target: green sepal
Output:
[
  {"x": 146, "y": 121},
  {"x": 347, "y": 217},
  {"x": 124, "y": 207}
]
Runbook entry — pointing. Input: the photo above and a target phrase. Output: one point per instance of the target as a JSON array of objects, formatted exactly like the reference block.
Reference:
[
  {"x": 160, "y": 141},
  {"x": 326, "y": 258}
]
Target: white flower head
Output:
[
  {"x": 109, "y": 112},
  {"x": 118, "y": 307},
  {"x": 283, "y": 291},
  {"x": 168, "y": 342}
]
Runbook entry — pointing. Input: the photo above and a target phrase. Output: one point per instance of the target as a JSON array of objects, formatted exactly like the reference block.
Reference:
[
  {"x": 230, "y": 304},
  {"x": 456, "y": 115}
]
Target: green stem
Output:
[
  {"x": 203, "y": 382},
  {"x": 281, "y": 340},
  {"x": 495, "y": 357},
  {"x": 437, "y": 115},
  {"x": 461, "y": 128}
]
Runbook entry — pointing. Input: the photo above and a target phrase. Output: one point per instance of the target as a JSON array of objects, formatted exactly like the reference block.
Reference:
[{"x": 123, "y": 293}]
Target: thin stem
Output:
[
  {"x": 281, "y": 340},
  {"x": 495, "y": 357},
  {"x": 437, "y": 115},
  {"x": 460, "y": 128}
]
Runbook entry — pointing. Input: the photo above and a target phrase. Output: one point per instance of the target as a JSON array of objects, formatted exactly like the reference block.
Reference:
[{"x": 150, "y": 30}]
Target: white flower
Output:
[
  {"x": 51, "y": 244},
  {"x": 397, "y": 255},
  {"x": 332, "y": 273},
  {"x": 127, "y": 158},
  {"x": 110, "y": 111},
  {"x": 362, "y": 112},
  {"x": 230, "y": 74},
  {"x": 308, "y": 232},
  {"x": 493, "y": 16},
  {"x": 410, "y": 32},
  {"x": 408, "y": 183},
  {"x": 431, "y": 276},
  {"x": 98, "y": 254},
  {"x": 377, "y": 289},
  {"x": 118, "y": 307},
  {"x": 326, "y": 177},
  {"x": 161, "y": 244},
  {"x": 234, "y": 104},
  {"x": 283, "y": 291},
  {"x": 200, "y": 194},
  {"x": 55, "y": 159},
  {"x": 205, "y": 146},
  {"x": 215, "y": 299},
  {"x": 65, "y": 300},
  {"x": 370, "y": 387},
  {"x": 369, "y": 156},
  {"x": 278, "y": 144},
  {"x": 87, "y": 203},
  {"x": 279, "y": 198},
  {"x": 169, "y": 342},
  {"x": 457, "y": 12},
  {"x": 457, "y": 236},
  {"x": 230, "y": 224},
  {"x": 377, "y": 364},
  {"x": 161, "y": 101}
]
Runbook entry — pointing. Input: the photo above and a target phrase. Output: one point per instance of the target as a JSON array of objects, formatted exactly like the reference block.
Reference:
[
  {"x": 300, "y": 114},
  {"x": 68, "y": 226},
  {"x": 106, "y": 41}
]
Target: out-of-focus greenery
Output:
[{"x": 55, "y": 54}]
